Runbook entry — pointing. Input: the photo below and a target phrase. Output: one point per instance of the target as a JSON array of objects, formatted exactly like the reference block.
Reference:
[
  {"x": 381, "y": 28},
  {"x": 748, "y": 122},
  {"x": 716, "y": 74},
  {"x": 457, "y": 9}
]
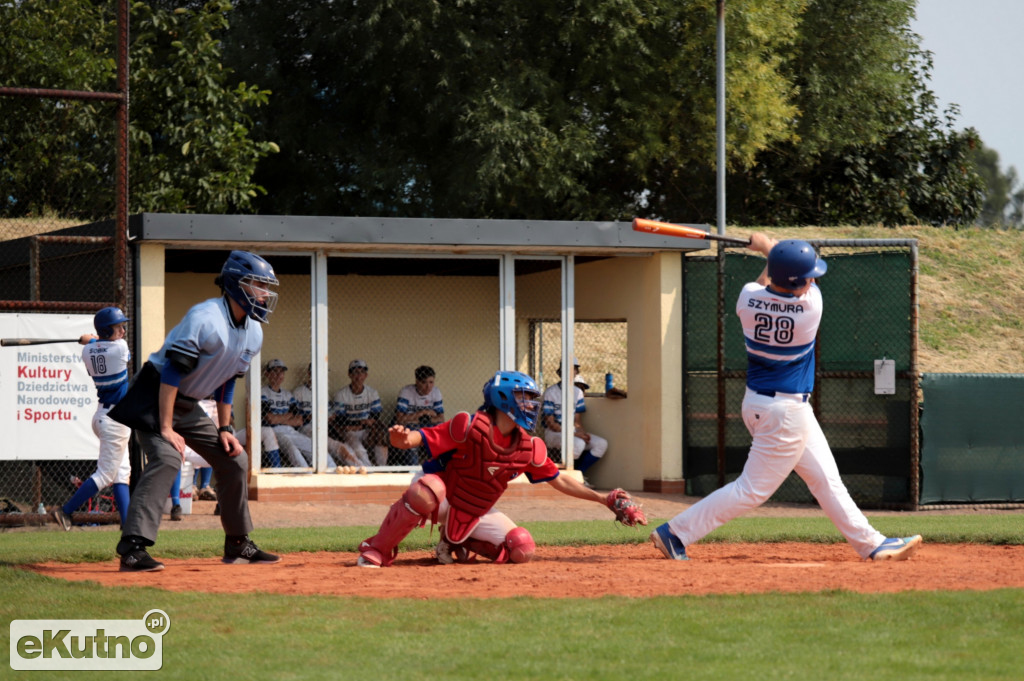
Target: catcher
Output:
[{"x": 472, "y": 460}]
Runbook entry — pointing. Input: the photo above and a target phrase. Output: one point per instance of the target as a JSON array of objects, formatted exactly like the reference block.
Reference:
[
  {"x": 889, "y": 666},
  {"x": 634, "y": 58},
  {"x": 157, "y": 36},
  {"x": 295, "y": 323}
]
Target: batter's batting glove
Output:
[{"x": 626, "y": 511}]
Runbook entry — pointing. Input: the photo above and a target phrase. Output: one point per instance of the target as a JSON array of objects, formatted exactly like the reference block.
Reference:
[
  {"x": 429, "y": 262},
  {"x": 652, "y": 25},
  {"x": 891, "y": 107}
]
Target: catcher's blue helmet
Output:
[
  {"x": 515, "y": 394},
  {"x": 246, "y": 277},
  {"x": 105, "y": 320},
  {"x": 792, "y": 262}
]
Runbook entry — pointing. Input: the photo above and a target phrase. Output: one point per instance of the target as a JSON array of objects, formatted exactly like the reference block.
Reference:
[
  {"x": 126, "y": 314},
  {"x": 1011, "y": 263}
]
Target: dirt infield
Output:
[
  {"x": 588, "y": 572},
  {"x": 563, "y": 572}
]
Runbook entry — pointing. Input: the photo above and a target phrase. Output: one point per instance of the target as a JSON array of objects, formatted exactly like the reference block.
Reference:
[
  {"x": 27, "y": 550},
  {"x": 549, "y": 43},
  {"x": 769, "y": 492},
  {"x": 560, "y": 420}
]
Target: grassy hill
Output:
[{"x": 971, "y": 293}]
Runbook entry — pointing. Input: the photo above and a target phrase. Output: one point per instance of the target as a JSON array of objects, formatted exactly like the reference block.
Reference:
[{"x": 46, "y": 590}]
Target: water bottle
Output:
[{"x": 609, "y": 382}]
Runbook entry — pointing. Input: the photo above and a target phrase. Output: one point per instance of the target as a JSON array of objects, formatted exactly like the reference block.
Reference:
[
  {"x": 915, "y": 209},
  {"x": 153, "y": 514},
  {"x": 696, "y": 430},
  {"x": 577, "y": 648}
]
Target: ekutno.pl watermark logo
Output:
[{"x": 90, "y": 644}]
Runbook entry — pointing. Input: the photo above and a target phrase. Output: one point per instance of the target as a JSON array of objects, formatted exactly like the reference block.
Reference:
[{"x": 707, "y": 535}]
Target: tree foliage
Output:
[
  {"x": 871, "y": 146},
  {"x": 192, "y": 149},
  {"x": 539, "y": 108},
  {"x": 1004, "y": 196},
  {"x": 542, "y": 109}
]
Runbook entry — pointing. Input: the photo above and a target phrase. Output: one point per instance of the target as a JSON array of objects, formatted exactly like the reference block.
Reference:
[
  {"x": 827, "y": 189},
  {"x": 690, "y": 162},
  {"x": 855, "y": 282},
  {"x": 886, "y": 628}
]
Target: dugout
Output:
[{"x": 463, "y": 296}]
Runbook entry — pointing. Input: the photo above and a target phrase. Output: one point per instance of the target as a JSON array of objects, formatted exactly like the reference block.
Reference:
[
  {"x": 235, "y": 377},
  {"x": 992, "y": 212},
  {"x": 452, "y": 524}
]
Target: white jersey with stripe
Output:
[
  {"x": 409, "y": 400},
  {"x": 357, "y": 407},
  {"x": 107, "y": 363},
  {"x": 779, "y": 330},
  {"x": 304, "y": 401},
  {"x": 553, "y": 401},
  {"x": 221, "y": 349},
  {"x": 277, "y": 402}
]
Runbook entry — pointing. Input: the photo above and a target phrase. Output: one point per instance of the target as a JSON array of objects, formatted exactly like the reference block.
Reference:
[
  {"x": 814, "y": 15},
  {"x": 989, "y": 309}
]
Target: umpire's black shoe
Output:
[
  {"x": 242, "y": 551},
  {"x": 139, "y": 561}
]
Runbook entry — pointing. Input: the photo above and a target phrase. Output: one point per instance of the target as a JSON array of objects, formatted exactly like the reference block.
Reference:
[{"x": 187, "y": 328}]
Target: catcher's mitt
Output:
[{"x": 627, "y": 511}]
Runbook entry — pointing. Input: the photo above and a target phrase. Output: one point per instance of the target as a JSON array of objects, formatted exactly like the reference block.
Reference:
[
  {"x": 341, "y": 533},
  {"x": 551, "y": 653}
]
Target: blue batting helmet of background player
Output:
[
  {"x": 514, "y": 394},
  {"x": 245, "y": 278},
  {"x": 792, "y": 262},
  {"x": 105, "y": 320}
]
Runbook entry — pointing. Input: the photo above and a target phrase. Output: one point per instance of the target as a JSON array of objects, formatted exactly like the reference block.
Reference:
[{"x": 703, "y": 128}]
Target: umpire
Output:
[{"x": 203, "y": 355}]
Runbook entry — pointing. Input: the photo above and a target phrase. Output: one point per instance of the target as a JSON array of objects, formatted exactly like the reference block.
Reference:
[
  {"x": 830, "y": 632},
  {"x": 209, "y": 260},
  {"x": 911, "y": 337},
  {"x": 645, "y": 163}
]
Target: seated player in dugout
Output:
[
  {"x": 587, "y": 448},
  {"x": 343, "y": 457},
  {"x": 473, "y": 458},
  {"x": 419, "y": 404},
  {"x": 356, "y": 416}
]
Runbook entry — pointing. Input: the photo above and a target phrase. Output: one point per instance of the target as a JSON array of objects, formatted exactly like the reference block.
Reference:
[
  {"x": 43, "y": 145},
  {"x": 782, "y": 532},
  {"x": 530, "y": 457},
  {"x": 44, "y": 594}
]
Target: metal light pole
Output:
[{"x": 720, "y": 116}]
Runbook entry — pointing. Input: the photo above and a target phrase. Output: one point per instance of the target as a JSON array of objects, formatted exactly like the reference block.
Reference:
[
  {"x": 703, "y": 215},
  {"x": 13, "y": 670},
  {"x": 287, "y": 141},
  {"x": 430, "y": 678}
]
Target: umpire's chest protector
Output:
[{"x": 477, "y": 475}]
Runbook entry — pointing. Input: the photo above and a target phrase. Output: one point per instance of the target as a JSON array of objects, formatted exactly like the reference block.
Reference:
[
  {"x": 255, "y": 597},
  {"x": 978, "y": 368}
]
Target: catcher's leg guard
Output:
[
  {"x": 518, "y": 547},
  {"x": 418, "y": 503}
]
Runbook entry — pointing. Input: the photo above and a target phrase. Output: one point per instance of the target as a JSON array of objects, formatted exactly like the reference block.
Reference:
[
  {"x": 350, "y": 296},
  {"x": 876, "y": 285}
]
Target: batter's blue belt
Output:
[{"x": 793, "y": 396}]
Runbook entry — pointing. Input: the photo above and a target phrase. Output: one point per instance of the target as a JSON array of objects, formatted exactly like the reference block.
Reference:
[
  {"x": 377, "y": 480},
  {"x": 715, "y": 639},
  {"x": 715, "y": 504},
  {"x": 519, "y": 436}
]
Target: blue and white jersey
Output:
[
  {"x": 107, "y": 363},
  {"x": 409, "y": 400},
  {"x": 222, "y": 349},
  {"x": 277, "y": 402},
  {"x": 779, "y": 329},
  {"x": 304, "y": 402},
  {"x": 354, "y": 407},
  {"x": 553, "y": 402}
]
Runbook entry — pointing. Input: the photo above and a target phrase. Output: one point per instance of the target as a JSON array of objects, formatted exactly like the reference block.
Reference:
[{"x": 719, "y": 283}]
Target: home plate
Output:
[{"x": 796, "y": 565}]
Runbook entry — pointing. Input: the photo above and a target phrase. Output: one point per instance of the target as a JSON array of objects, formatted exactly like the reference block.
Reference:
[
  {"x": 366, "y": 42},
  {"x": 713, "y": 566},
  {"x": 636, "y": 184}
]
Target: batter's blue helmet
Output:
[
  {"x": 792, "y": 262},
  {"x": 105, "y": 320},
  {"x": 514, "y": 394},
  {"x": 246, "y": 277}
]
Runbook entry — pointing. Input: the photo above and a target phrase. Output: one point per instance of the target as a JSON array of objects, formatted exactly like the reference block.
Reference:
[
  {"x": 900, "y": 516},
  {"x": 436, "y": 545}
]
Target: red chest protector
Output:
[{"x": 476, "y": 476}]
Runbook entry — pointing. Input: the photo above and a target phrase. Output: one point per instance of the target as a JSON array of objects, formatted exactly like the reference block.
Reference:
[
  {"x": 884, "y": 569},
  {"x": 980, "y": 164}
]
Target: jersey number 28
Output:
[{"x": 773, "y": 330}]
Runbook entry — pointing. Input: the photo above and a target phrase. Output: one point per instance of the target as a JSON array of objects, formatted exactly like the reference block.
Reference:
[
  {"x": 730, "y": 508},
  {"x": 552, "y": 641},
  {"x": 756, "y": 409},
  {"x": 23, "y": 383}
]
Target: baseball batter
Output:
[
  {"x": 106, "y": 358},
  {"x": 472, "y": 460},
  {"x": 212, "y": 346},
  {"x": 780, "y": 313}
]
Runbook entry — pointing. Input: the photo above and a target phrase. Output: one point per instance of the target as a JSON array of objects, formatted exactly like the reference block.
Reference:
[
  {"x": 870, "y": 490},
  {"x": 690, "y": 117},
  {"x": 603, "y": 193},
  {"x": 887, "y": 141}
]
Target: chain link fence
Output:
[
  {"x": 870, "y": 314},
  {"x": 63, "y": 179}
]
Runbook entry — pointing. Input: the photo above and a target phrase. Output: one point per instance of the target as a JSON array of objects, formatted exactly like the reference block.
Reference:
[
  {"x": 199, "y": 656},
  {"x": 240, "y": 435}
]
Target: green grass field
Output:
[{"x": 829, "y": 635}]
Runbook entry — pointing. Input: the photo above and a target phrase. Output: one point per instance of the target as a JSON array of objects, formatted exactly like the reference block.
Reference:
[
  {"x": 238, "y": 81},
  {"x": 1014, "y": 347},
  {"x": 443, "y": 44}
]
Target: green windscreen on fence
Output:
[{"x": 972, "y": 442}]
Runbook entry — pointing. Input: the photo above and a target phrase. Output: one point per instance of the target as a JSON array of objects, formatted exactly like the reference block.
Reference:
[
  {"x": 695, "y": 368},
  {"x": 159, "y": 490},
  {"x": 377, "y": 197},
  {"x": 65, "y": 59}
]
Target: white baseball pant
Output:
[
  {"x": 787, "y": 437},
  {"x": 597, "y": 445},
  {"x": 354, "y": 441},
  {"x": 112, "y": 463}
]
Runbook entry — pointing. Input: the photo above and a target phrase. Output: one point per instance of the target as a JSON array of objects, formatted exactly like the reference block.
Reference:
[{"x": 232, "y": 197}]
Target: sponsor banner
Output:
[{"x": 47, "y": 398}]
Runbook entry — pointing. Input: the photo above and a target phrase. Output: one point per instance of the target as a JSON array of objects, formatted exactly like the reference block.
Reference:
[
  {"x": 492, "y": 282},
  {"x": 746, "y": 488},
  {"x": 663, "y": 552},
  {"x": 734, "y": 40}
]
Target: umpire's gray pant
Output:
[{"x": 163, "y": 462}]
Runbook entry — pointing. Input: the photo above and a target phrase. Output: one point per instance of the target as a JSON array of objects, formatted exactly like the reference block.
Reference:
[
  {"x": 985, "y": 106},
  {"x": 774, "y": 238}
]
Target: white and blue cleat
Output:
[
  {"x": 668, "y": 543},
  {"x": 896, "y": 548}
]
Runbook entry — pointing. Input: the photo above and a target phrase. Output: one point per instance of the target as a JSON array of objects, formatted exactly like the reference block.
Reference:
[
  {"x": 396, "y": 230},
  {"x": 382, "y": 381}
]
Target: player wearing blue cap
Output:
[
  {"x": 780, "y": 313},
  {"x": 106, "y": 356},
  {"x": 212, "y": 346}
]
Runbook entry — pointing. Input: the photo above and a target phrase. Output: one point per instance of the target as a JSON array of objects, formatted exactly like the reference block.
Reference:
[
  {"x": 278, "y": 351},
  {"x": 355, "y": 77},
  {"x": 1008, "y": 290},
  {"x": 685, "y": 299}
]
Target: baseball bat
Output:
[
  {"x": 668, "y": 229},
  {"x": 35, "y": 341}
]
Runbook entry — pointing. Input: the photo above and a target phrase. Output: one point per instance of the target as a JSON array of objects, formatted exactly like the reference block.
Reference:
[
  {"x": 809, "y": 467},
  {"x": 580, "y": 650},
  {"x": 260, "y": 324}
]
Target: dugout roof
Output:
[{"x": 413, "y": 234}]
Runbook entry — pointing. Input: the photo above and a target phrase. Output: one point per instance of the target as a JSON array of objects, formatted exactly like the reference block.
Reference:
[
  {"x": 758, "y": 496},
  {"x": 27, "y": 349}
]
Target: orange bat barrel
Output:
[{"x": 669, "y": 229}]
